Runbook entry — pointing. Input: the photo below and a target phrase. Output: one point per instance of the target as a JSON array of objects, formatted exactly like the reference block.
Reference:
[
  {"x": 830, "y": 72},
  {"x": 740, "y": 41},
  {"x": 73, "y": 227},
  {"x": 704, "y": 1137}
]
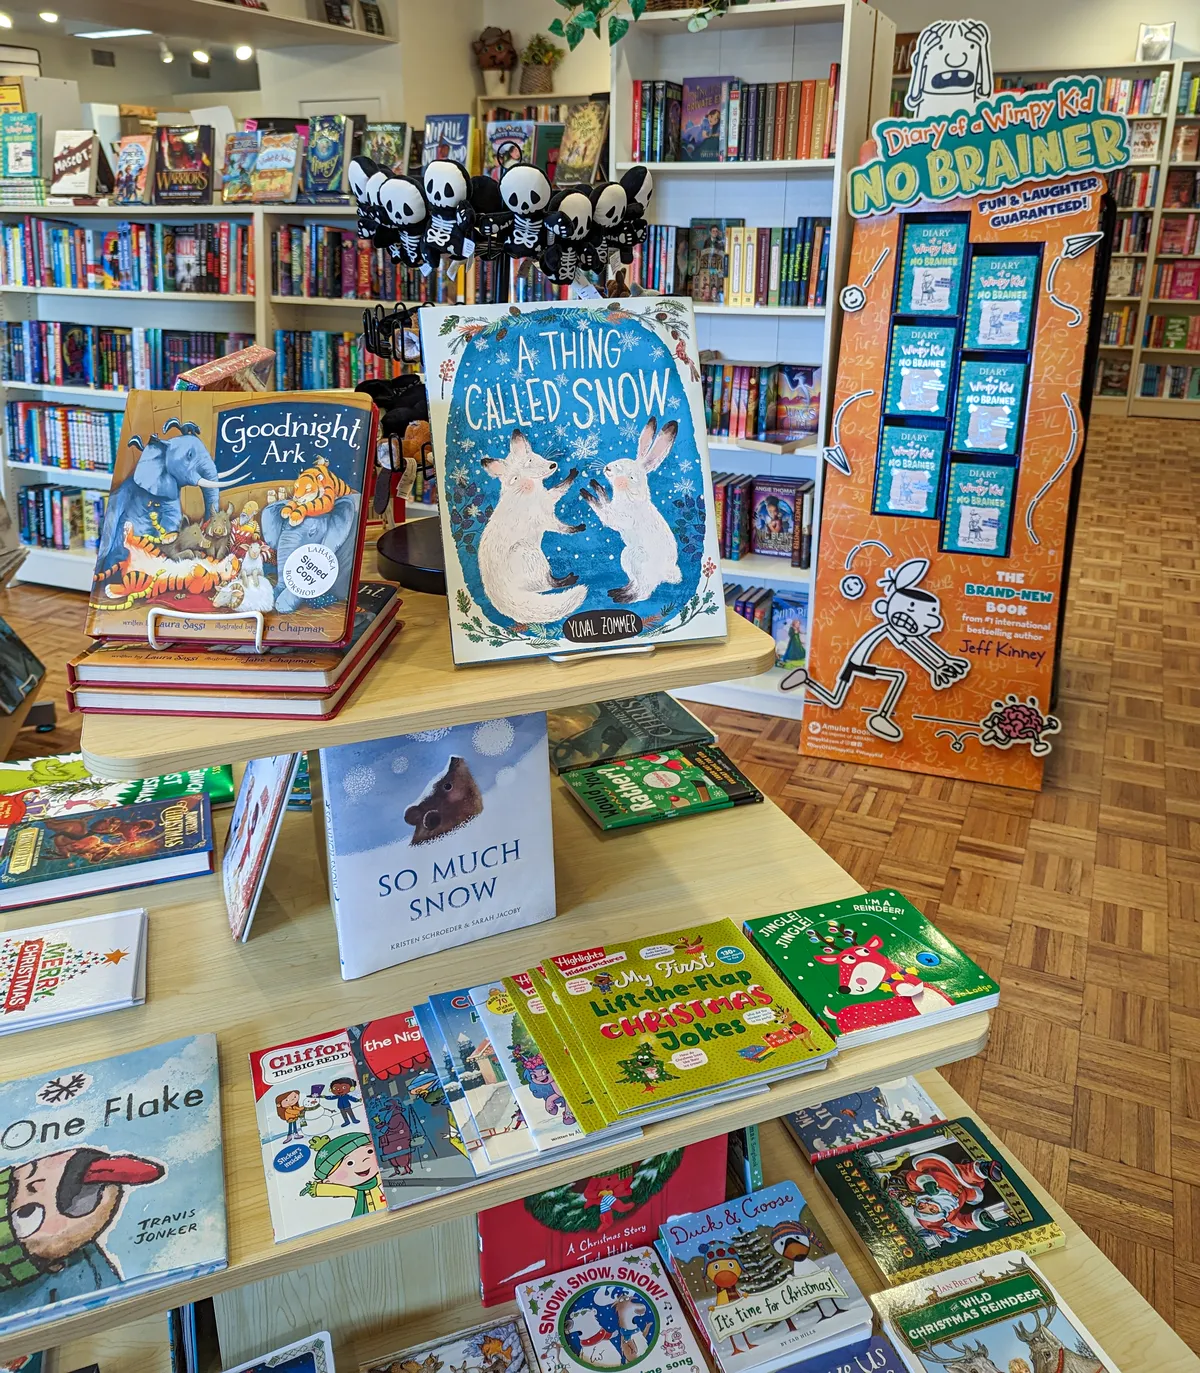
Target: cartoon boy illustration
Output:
[
  {"x": 345, "y": 1166},
  {"x": 289, "y": 1110},
  {"x": 53, "y": 1212},
  {"x": 910, "y": 617},
  {"x": 341, "y": 1091}
]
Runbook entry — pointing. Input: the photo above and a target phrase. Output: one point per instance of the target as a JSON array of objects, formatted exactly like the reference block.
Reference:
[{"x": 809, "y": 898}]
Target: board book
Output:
[
  {"x": 313, "y": 1354},
  {"x": 935, "y": 1197},
  {"x": 581, "y": 736},
  {"x": 253, "y": 830},
  {"x": 228, "y": 506},
  {"x": 860, "y": 1118},
  {"x": 499, "y": 1346}
]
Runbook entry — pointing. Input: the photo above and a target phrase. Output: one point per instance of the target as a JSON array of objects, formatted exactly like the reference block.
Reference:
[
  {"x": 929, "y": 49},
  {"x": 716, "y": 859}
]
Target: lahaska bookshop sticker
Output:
[{"x": 310, "y": 571}]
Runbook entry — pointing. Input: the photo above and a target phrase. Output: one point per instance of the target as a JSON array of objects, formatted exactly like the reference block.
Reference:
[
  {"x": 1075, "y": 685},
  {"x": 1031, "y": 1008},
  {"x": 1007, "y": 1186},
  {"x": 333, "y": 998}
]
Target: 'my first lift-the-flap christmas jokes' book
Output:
[{"x": 573, "y": 476}]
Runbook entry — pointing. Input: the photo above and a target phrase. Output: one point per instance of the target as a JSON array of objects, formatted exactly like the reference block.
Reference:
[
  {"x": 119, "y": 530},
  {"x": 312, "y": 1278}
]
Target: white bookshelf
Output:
[{"x": 792, "y": 40}]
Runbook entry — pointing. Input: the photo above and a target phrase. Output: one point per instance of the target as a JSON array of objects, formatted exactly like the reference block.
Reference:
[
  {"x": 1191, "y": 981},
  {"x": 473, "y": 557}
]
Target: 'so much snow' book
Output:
[
  {"x": 111, "y": 1181},
  {"x": 573, "y": 474}
]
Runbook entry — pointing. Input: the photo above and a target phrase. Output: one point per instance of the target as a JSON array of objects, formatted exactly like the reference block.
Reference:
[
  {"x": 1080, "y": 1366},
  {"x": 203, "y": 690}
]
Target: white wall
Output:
[{"x": 582, "y": 71}]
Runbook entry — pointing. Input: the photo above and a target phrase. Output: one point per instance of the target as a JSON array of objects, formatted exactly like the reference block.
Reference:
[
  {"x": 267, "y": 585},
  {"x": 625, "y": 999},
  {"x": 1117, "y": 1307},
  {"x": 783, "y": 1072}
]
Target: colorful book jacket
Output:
[
  {"x": 507, "y": 142},
  {"x": 702, "y": 118},
  {"x": 582, "y": 142},
  {"x": 871, "y": 965},
  {"x": 323, "y": 178},
  {"x": 65, "y": 846},
  {"x": 111, "y": 1183},
  {"x": 611, "y": 1313},
  {"x": 314, "y": 1354},
  {"x": 317, "y": 1153},
  {"x": 860, "y": 1118},
  {"x": 583, "y": 735},
  {"x": 1002, "y": 1308},
  {"x": 876, "y": 1355},
  {"x": 447, "y": 138},
  {"x": 660, "y": 786},
  {"x": 241, "y": 157},
  {"x": 276, "y": 168},
  {"x": 936, "y": 1197},
  {"x": 135, "y": 159},
  {"x": 573, "y": 462},
  {"x": 499, "y": 1346},
  {"x": 689, "y": 1012},
  {"x": 417, "y": 1141},
  {"x": 226, "y": 506},
  {"x": 183, "y": 165},
  {"x": 595, "y": 1217},
  {"x": 253, "y": 830},
  {"x": 763, "y": 1282},
  {"x": 386, "y": 144},
  {"x": 446, "y": 1068}
]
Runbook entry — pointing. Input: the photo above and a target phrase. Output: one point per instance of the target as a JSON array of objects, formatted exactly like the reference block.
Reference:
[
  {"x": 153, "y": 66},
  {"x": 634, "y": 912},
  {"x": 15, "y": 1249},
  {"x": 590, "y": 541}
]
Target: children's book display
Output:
[
  {"x": 50, "y": 974},
  {"x": 581, "y": 736},
  {"x": 872, "y": 966},
  {"x": 183, "y": 165},
  {"x": 1002, "y": 1309},
  {"x": 326, "y": 153},
  {"x": 499, "y": 1346},
  {"x": 119, "y": 1187},
  {"x": 313, "y": 1354},
  {"x": 861, "y": 1118},
  {"x": 79, "y": 170},
  {"x": 763, "y": 1284},
  {"x": 927, "y": 1200},
  {"x": 54, "y": 859},
  {"x": 237, "y": 173},
  {"x": 253, "y": 830},
  {"x": 134, "y": 173},
  {"x": 437, "y": 838}
]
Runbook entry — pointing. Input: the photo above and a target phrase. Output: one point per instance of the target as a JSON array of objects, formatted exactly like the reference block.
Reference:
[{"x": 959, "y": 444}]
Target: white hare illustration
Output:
[
  {"x": 515, "y": 572},
  {"x": 651, "y": 555}
]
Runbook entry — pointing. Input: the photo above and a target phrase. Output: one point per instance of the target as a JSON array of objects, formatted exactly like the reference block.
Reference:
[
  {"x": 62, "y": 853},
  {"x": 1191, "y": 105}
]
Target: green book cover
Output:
[
  {"x": 909, "y": 475},
  {"x": 931, "y": 266},
  {"x": 1001, "y": 299},
  {"x": 677, "y": 1015},
  {"x": 583, "y": 735},
  {"x": 871, "y": 966},
  {"x": 979, "y": 501},
  {"x": 935, "y": 1198},
  {"x": 987, "y": 413},
  {"x": 918, "y": 377},
  {"x": 659, "y": 786}
]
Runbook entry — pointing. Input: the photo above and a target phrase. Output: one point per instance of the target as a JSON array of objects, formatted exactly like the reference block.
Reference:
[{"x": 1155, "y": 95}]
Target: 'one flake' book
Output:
[
  {"x": 866, "y": 1117},
  {"x": 573, "y": 475},
  {"x": 437, "y": 838},
  {"x": 111, "y": 1181},
  {"x": 225, "y": 507}
]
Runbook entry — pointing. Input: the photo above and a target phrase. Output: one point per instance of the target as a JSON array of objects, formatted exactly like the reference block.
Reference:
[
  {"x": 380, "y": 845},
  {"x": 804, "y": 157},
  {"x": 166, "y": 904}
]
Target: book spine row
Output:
[
  {"x": 1177, "y": 280},
  {"x": 1173, "y": 331},
  {"x": 316, "y": 359},
  {"x": 1168, "y": 381},
  {"x": 64, "y": 436},
  {"x": 56, "y": 353},
  {"x": 61, "y": 517},
  {"x": 1119, "y": 327},
  {"x": 1177, "y": 236},
  {"x": 1133, "y": 233},
  {"x": 1145, "y": 95},
  {"x": 1134, "y": 188},
  {"x": 1112, "y": 377},
  {"x": 742, "y": 401},
  {"x": 1189, "y": 94},
  {"x": 735, "y": 498},
  {"x": 1183, "y": 187},
  {"x": 538, "y": 114}
]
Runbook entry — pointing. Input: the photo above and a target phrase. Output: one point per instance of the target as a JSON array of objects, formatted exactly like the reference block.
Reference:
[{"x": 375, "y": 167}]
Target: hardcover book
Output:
[
  {"x": 909, "y": 475},
  {"x": 387, "y": 145},
  {"x": 183, "y": 165},
  {"x": 313, "y": 1354},
  {"x": 931, "y": 265},
  {"x": 849, "y": 1122},
  {"x": 499, "y": 1346},
  {"x": 872, "y": 966},
  {"x": 702, "y": 119},
  {"x": 507, "y": 142},
  {"x": 772, "y": 517},
  {"x": 76, "y": 163},
  {"x": 979, "y": 503},
  {"x": 1001, "y": 299},
  {"x": 134, "y": 172},
  {"x": 583, "y": 735},
  {"x": 276, "y": 173},
  {"x": 323, "y": 179},
  {"x": 447, "y": 138},
  {"x": 987, "y": 411},
  {"x": 237, "y": 175},
  {"x": 245, "y": 509},
  {"x": 936, "y": 1197},
  {"x": 446, "y": 1067},
  {"x": 257, "y": 819},
  {"x": 798, "y": 406},
  {"x": 437, "y": 838},
  {"x": 789, "y": 628},
  {"x": 1145, "y": 140},
  {"x": 1001, "y": 1308},
  {"x": 918, "y": 378},
  {"x": 708, "y": 258},
  {"x": 20, "y": 134},
  {"x": 118, "y": 1188},
  {"x": 20, "y": 669},
  {"x": 317, "y": 1154},
  {"x": 573, "y": 465},
  {"x": 582, "y": 143}
]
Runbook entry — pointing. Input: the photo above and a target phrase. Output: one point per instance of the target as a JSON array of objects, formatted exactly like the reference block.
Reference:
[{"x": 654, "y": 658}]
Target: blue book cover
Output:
[
  {"x": 323, "y": 177},
  {"x": 447, "y": 138},
  {"x": 847, "y": 1122},
  {"x": 111, "y": 1180},
  {"x": 876, "y": 1355},
  {"x": 313, "y": 1354},
  {"x": 437, "y": 838}
]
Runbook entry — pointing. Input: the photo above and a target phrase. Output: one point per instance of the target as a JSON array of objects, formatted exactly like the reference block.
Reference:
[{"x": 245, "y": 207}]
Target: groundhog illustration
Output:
[{"x": 451, "y": 802}]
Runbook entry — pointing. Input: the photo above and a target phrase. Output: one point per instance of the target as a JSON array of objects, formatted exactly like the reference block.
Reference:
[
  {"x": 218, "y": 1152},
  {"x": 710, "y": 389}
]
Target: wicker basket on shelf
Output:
[{"x": 537, "y": 79}]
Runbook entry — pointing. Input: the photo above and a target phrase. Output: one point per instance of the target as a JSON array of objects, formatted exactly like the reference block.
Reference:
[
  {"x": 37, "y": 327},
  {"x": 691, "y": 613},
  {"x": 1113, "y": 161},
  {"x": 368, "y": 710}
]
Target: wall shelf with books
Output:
[
  {"x": 812, "y": 165},
  {"x": 163, "y": 297},
  {"x": 781, "y": 14},
  {"x": 71, "y": 476}
]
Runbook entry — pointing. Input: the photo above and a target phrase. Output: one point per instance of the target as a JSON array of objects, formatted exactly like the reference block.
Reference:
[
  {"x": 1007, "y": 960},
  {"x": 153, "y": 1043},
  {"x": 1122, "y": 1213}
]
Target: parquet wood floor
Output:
[{"x": 1084, "y": 900}]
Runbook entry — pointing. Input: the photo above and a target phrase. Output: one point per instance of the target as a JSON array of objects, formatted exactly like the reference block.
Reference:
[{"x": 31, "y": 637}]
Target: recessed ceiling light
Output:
[
  {"x": 243, "y": 52},
  {"x": 114, "y": 33},
  {"x": 199, "y": 55},
  {"x": 5, "y": 21},
  {"x": 48, "y": 16}
]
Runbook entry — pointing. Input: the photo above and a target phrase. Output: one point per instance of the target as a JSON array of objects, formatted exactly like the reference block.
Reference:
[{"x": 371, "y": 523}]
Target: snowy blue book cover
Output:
[
  {"x": 111, "y": 1180},
  {"x": 437, "y": 838},
  {"x": 573, "y": 475},
  {"x": 866, "y": 1117}
]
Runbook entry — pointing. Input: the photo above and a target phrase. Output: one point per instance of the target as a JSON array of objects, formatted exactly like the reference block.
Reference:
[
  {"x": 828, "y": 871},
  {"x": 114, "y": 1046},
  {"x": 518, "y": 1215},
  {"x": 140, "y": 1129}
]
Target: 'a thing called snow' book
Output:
[
  {"x": 437, "y": 838},
  {"x": 111, "y": 1181}
]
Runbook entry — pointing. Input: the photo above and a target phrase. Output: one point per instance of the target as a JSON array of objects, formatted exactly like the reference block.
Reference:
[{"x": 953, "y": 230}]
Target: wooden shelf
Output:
[
  {"x": 790, "y": 164},
  {"x": 284, "y": 984},
  {"x": 415, "y": 685},
  {"x": 162, "y": 296},
  {"x": 761, "y": 567}
]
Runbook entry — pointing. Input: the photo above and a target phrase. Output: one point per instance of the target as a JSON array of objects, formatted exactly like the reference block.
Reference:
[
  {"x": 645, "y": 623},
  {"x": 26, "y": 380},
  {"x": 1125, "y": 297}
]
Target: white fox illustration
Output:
[{"x": 515, "y": 572}]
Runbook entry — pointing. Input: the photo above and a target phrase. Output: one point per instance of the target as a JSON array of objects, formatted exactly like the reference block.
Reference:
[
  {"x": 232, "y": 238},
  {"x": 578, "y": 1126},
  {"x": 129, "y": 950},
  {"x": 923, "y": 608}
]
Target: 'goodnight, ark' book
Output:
[
  {"x": 573, "y": 476},
  {"x": 230, "y": 513},
  {"x": 111, "y": 1181}
]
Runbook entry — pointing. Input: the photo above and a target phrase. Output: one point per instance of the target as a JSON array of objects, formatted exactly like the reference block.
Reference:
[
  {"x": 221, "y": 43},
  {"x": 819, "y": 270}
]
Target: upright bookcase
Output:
[{"x": 791, "y": 40}]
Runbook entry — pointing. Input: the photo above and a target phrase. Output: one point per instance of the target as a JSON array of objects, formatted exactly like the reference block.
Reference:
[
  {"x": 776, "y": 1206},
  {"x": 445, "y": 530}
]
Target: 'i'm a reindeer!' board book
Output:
[
  {"x": 230, "y": 508},
  {"x": 111, "y": 1182},
  {"x": 872, "y": 966},
  {"x": 573, "y": 476}
]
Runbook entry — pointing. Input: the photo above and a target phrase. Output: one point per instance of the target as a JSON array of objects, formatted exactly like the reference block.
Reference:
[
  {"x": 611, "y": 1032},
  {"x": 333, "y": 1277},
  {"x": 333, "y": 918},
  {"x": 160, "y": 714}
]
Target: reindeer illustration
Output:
[
  {"x": 863, "y": 969},
  {"x": 966, "y": 1359},
  {"x": 1048, "y": 1352}
]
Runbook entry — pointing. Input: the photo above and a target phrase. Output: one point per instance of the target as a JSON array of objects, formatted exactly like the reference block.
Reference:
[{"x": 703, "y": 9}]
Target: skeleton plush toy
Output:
[
  {"x": 568, "y": 222},
  {"x": 358, "y": 177},
  {"x": 493, "y": 223},
  {"x": 403, "y": 208},
  {"x": 638, "y": 184},
  {"x": 609, "y": 205},
  {"x": 447, "y": 190},
  {"x": 525, "y": 192}
]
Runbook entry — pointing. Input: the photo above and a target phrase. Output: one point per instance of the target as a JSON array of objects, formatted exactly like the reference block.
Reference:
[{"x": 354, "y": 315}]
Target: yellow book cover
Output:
[{"x": 276, "y": 171}]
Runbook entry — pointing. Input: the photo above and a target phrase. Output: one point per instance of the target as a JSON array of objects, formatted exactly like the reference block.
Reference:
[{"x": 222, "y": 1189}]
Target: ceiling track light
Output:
[
  {"x": 164, "y": 52},
  {"x": 5, "y": 20},
  {"x": 48, "y": 16},
  {"x": 199, "y": 55},
  {"x": 243, "y": 52}
]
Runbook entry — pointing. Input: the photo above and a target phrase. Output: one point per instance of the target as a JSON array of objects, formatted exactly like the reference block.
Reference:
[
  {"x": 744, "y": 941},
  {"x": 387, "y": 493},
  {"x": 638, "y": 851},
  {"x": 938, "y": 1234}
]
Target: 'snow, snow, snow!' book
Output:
[{"x": 111, "y": 1181}]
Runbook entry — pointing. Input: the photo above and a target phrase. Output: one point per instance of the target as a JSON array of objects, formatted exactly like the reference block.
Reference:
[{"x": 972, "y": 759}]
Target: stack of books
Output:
[
  {"x": 63, "y": 517},
  {"x": 773, "y": 404},
  {"x": 1173, "y": 331},
  {"x": 22, "y": 181},
  {"x": 768, "y": 515},
  {"x": 1183, "y": 185}
]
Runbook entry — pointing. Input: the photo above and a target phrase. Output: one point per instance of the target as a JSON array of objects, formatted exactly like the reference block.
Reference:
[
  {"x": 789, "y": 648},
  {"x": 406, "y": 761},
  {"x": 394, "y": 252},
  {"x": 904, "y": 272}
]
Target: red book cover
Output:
[{"x": 595, "y": 1217}]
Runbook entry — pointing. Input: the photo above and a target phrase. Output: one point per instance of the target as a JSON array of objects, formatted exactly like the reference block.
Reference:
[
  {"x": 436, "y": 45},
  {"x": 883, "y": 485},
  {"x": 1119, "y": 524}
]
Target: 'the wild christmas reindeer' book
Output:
[{"x": 223, "y": 505}]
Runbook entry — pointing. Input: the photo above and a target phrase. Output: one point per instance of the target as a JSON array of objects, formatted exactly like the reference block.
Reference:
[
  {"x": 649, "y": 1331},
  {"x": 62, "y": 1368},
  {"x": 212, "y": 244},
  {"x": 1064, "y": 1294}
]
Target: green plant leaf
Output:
[
  {"x": 588, "y": 18},
  {"x": 575, "y": 33},
  {"x": 637, "y": 8},
  {"x": 697, "y": 23},
  {"x": 617, "y": 29},
  {"x": 555, "y": 26}
]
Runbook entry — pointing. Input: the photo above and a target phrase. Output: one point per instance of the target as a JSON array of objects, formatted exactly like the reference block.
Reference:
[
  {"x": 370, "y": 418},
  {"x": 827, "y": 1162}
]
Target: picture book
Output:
[
  {"x": 935, "y": 1197},
  {"x": 183, "y": 165},
  {"x": 708, "y": 258},
  {"x": 764, "y": 1284},
  {"x": 23, "y": 1363},
  {"x": 789, "y": 627},
  {"x": 437, "y": 838},
  {"x": 314, "y": 1354},
  {"x": 979, "y": 503},
  {"x": 237, "y": 175},
  {"x": 918, "y": 376},
  {"x": 447, "y": 138},
  {"x": 75, "y": 163},
  {"x": 732, "y": 1021},
  {"x": 931, "y": 267},
  {"x": 499, "y": 1346},
  {"x": 1002, "y": 1308},
  {"x": 772, "y": 517},
  {"x": 703, "y": 117},
  {"x": 105, "y": 850},
  {"x": 387, "y": 144},
  {"x": 134, "y": 173},
  {"x": 611, "y": 1313},
  {"x": 20, "y": 669},
  {"x": 111, "y": 1183},
  {"x": 798, "y": 404},
  {"x": 507, "y": 142},
  {"x": 866, "y": 1117},
  {"x": 547, "y": 143},
  {"x": 246, "y": 504},
  {"x": 909, "y": 476},
  {"x": 276, "y": 174},
  {"x": 594, "y": 1217},
  {"x": 583, "y": 735},
  {"x": 317, "y": 1153},
  {"x": 446, "y": 1066},
  {"x": 54, "y": 973},
  {"x": 416, "y": 1139},
  {"x": 1000, "y": 300},
  {"x": 573, "y": 464},
  {"x": 323, "y": 176},
  {"x": 20, "y": 152},
  {"x": 583, "y": 141},
  {"x": 872, "y": 966},
  {"x": 257, "y": 819},
  {"x": 662, "y": 785},
  {"x": 987, "y": 412}
]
